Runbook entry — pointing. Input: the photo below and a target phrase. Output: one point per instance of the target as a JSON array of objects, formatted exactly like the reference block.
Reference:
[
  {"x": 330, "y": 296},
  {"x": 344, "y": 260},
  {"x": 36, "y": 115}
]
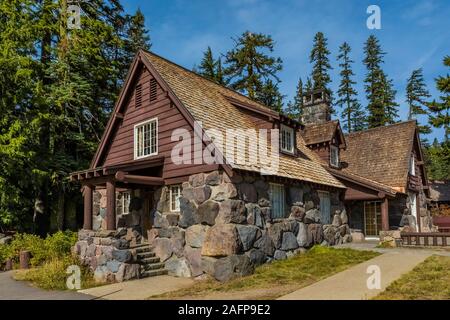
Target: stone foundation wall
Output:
[{"x": 224, "y": 227}]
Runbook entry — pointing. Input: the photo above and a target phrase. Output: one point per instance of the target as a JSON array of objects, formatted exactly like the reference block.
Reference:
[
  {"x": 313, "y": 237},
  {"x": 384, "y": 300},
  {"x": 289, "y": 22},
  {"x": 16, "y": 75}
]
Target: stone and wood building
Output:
[
  {"x": 145, "y": 213},
  {"x": 152, "y": 207}
]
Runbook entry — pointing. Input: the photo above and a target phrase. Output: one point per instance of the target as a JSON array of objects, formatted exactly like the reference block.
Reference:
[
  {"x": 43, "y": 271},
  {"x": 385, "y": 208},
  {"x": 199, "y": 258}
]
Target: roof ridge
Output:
[
  {"x": 381, "y": 127},
  {"x": 209, "y": 80}
]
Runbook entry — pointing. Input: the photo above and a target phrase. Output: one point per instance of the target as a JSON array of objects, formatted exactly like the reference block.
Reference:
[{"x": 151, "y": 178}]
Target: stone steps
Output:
[
  {"x": 150, "y": 264},
  {"x": 153, "y": 273}
]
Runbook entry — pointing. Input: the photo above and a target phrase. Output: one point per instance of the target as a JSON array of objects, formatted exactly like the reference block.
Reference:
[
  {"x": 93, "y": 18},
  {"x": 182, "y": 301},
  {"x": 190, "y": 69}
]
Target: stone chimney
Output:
[{"x": 316, "y": 107}]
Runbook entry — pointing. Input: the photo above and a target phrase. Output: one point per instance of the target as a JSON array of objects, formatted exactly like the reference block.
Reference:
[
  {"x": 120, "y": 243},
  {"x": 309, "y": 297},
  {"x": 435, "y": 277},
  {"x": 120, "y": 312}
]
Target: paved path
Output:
[
  {"x": 11, "y": 289},
  {"x": 139, "y": 289},
  {"x": 351, "y": 284}
]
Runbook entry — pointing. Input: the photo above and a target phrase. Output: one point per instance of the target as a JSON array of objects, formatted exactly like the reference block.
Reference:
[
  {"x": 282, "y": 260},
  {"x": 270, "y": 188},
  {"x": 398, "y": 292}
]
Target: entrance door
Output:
[
  {"x": 372, "y": 218},
  {"x": 146, "y": 219},
  {"x": 325, "y": 207}
]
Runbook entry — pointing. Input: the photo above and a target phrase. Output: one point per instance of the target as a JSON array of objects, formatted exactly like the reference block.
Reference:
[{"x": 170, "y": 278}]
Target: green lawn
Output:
[
  {"x": 429, "y": 280},
  {"x": 280, "y": 277}
]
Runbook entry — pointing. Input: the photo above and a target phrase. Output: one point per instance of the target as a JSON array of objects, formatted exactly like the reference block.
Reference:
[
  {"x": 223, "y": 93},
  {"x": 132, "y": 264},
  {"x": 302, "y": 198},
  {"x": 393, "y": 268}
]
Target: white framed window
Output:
[
  {"x": 334, "y": 156},
  {"x": 277, "y": 200},
  {"x": 175, "y": 195},
  {"x": 287, "y": 139},
  {"x": 412, "y": 165},
  {"x": 126, "y": 198},
  {"x": 146, "y": 139}
]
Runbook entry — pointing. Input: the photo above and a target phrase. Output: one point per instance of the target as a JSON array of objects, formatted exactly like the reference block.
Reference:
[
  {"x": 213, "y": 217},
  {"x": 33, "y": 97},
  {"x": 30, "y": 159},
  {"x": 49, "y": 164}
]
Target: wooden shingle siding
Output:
[{"x": 121, "y": 146}]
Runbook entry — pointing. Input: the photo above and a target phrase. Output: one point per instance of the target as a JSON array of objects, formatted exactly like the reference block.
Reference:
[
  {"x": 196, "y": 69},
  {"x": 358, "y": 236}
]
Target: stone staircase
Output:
[{"x": 150, "y": 264}]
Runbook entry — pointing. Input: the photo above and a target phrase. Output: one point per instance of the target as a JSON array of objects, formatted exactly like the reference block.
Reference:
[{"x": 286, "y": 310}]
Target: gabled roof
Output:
[
  {"x": 323, "y": 132},
  {"x": 209, "y": 103},
  {"x": 381, "y": 154}
]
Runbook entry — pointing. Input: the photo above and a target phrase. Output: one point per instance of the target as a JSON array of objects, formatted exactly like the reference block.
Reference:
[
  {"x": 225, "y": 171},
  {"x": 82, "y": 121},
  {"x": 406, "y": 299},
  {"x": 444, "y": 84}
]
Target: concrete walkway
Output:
[
  {"x": 351, "y": 284},
  {"x": 11, "y": 289},
  {"x": 138, "y": 289}
]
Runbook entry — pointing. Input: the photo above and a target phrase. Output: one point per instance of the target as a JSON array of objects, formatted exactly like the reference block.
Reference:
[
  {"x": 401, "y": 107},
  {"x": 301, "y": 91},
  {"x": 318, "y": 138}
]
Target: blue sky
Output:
[{"x": 414, "y": 33}]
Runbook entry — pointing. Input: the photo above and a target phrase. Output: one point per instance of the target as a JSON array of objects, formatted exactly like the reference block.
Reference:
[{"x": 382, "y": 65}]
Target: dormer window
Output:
[
  {"x": 334, "y": 156},
  {"x": 287, "y": 139},
  {"x": 412, "y": 165}
]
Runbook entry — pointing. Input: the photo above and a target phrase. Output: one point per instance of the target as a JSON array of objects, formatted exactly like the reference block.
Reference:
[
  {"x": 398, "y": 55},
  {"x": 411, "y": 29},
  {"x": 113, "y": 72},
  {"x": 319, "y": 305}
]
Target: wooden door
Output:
[
  {"x": 146, "y": 219},
  {"x": 372, "y": 218}
]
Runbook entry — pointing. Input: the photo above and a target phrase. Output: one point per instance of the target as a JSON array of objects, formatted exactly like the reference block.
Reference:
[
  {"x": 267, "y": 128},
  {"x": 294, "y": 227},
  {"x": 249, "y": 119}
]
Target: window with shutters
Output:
[
  {"x": 153, "y": 90},
  {"x": 277, "y": 201},
  {"x": 138, "y": 96},
  {"x": 146, "y": 139}
]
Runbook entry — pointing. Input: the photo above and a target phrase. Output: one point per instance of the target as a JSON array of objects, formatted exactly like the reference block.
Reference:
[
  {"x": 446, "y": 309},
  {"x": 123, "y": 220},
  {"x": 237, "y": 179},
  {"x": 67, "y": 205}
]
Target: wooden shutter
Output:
[{"x": 153, "y": 90}]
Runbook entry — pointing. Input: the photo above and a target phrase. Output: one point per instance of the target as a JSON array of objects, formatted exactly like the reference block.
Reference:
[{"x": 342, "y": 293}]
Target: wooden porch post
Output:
[
  {"x": 110, "y": 205},
  {"x": 385, "y": 214},
  {"x": 87, "y": 220}
]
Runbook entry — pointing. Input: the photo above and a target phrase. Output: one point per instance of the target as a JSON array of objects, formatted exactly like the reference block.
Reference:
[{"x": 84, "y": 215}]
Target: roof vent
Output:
[{"x": 138, "y": 96}]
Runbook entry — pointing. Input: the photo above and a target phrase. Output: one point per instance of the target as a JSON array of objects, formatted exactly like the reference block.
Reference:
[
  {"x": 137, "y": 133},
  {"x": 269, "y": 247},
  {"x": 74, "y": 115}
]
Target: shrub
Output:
[
  {"x": 52, "y": 274},
  {"x": 54, "y": 246}
]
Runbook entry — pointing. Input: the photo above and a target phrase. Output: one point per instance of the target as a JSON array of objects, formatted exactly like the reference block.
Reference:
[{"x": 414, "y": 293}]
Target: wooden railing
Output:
[{"x": 436, "y": 239}]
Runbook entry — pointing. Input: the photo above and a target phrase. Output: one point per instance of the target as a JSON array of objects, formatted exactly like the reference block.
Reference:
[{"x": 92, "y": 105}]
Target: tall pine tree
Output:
[
  {"x": 270, "y": 96},
  {"x": 321, "y": 63},
  {"x": 211, "y": 68},
  {"x": 440, "y": 110},
  {"x": 379, "y": 90},
  {"x": 347, "y": 94},
  {"x": 416, "y": 96},
  {"x": 295, "y": 108},
  {"x": 249, "y": 65}
]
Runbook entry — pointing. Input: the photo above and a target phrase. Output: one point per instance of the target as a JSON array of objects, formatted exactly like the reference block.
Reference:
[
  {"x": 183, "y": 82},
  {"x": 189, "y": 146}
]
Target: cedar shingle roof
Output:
[
  {"x": 317, "y": 133},
  {"x": 207, "y": 102},
  {"x": 440, "y": 190},
  {"x": 381, "y": 154}
]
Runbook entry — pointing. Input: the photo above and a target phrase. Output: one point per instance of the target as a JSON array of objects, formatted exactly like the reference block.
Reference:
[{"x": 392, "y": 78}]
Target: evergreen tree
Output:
[
  {"x": 359, "y": 117},
  {"x": 321, "y": 64},
  {"x": 308, "y": 85},
  {"x": 211, "y": 68},
  {"x": 249, "y": 67},
  {"x": 295, "y": 108},
  {"x": 347, "y": 94},
  {"x": 270, "y": 96},
  {"x": 437, "y": 160},
  {"x": 440, "y": 111},
  {"x": 389, "y": 103},
  {"x": 137, "y": 36},
  {"x": 57, "y": 87},
  {"x": 416, "y": 95}
]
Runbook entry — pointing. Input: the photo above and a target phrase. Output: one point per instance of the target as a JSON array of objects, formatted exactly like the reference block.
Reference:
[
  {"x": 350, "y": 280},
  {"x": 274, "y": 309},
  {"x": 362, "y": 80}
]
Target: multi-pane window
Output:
[
  {"x": 145, "y": 139},
  {"x": 277, "y": 200},
  {"x": 175, "y": 194},
  {"x": 126, "y": 197},
  {"x": 334, "y": 156},
  {"x": 287, "y": 139}
]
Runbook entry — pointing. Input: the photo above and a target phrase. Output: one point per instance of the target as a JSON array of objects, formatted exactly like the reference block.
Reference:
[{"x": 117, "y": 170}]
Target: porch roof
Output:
[{"x": 116, "y": 171}]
